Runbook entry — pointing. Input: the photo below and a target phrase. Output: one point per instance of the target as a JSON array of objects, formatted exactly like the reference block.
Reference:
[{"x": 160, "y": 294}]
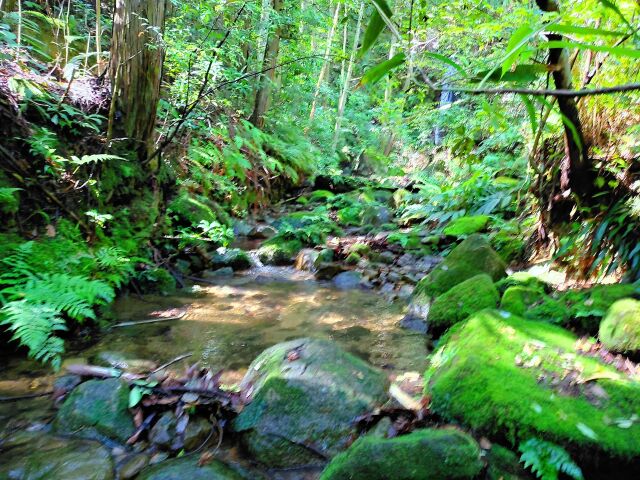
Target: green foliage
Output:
[
  {"x": 547, "y": 460},
  {"x": 309, "y": 228},
  {"x": 39, "y": 299}
]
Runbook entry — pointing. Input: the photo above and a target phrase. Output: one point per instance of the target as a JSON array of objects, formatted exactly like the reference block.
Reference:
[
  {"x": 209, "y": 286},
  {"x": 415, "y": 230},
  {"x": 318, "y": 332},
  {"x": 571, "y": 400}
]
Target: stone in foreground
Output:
[
  {"x": 96, "y": 409},
  {"x": 304, "y": 396},
  {"x": 37, "y": 456},
  {"x": 428, "y": 454},
  {"x": 518, "y": 379},
  {"x": 187, "y": 468}
]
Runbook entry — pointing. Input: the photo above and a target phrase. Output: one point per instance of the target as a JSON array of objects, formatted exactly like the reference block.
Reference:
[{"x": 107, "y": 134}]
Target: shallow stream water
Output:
[{"x": 226, "y": 325}]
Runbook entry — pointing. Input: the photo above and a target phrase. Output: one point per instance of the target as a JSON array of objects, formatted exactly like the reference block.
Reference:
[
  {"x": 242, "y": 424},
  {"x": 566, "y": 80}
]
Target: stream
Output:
[{"x": 226, "y": 326}]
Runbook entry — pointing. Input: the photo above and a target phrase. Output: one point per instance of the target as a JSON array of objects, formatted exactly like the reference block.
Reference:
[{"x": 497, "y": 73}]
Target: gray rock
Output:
[
  {"x": 304, "y": 395},
  {"x": 347, "y": 280},
  {"x": 95, "y": 409},
  {"x": 132, "y": 466},
  {"x": 187, "y": 468},
  {"x": 37, "y": 456},
  {"x": 327, "y": 271},
  {"x": 307, "y": 259}
]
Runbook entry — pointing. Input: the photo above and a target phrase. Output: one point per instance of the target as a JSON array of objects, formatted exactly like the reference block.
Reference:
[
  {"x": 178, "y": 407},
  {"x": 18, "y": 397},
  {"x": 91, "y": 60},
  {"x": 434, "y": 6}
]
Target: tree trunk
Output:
[
  {"x": 326, "y": 61},
  {"x": 269, "y": 73},
  {"x": 135, "y": 70},
  {"x": 576, "y": 172},
  {"x": 344, "y": 94}
]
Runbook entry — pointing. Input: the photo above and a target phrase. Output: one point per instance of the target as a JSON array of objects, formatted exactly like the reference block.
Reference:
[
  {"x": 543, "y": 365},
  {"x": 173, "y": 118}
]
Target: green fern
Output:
[
  {"x": 547, "y": 460},
  {"x": 35, "y": 326}
]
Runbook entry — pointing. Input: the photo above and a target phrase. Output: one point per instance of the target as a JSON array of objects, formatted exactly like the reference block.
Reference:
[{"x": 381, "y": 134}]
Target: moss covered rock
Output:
[
  {"x": 428, "y": 454},
  {"x": 277, "y": 251},
  {"x": 37, "y": 456},
  {"x": 466, "y": 298},
  {"x": 230, "y": 257},
  {"x": 503, "y": 464},
  {"x": 620, "y": 329},
  {"x": 516, "y": 379},
  {"x": 95, "y": 409},
  {"x": 188, "y": 468},
  {"x": 472, "y": 257},
  {"x": 304, "y": 396},
  {"x": 582, "y": 309},
  {"x": 463, "y": 226},
  {"x": 519, "y": 299}
]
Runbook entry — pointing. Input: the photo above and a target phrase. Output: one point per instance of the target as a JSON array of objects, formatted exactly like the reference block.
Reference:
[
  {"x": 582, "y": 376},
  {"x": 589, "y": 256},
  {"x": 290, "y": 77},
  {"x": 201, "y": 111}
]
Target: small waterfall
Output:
[{"x": 446, "y": 100}]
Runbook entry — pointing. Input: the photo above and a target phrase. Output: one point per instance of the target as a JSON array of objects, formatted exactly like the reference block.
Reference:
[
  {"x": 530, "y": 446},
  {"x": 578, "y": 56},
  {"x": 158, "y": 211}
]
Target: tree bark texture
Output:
[
  {"x": 135, "y": 70},
  {"x": 269, "y": 62},
  {"x": 576, "y": 172}
]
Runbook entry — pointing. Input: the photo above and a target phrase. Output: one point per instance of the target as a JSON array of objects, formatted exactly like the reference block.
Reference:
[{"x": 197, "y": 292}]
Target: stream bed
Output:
[{"x": 226, "y": 325}]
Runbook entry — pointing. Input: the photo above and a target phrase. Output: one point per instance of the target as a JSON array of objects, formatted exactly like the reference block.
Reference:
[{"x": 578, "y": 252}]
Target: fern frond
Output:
[
  {"x": 35, "y": 327},
  {"x": 85, "y": 159},
  {"x": 547, "y": 460}
]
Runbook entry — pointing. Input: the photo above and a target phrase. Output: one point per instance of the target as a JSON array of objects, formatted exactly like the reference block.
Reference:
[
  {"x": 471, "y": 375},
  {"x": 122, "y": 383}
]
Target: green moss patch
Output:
[
  {"x": 515, "y": 379},
  {"x": 463, "y": 226},
  {"x": 472, "y": 257},
  {"x": 620, "y": 329},
  {"x": 466, "y": 298},
  {"x": 424, "y": 454},
  {"x": 277, "y": 251}
]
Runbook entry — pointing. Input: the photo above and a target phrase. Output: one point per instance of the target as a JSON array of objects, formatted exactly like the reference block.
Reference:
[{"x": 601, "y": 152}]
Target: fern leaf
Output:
[{"x": 35, "y": 327}]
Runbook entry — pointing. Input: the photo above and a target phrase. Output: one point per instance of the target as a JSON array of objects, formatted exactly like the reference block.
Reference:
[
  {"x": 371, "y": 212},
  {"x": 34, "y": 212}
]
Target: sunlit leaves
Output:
[
  {"x": 376, "y": 25},
  {"x": 377, "y": 72}
]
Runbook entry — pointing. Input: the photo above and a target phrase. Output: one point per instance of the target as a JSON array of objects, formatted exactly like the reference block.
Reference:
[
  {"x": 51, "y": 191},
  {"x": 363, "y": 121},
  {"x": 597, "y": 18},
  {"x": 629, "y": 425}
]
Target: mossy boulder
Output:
[
  {"x": 430, "y": 454},
  {"x": 519, "y": 299},
  {"x": 189, "y": 468},
  {"x": 620, "y": 328},
  {"x": 468, "y": 225},
  {"x": 235, "y": 258},
  {"x": 277, "y": 251},
  {"x": 521, "y": 279},
  {"x": 38, "y": 456},
  {"x": 304, "y": 395},
  {"x": 461, "y": 301},
  {"x": 582, "y": 309},
  {"x": 472, "y": 257},
  {"x": 516, "y": 379},
  {"x": 96, "y": 409}
]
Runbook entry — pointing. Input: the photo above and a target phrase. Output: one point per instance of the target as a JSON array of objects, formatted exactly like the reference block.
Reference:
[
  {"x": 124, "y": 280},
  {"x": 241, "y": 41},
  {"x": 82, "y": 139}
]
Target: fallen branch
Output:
[
  {"x": 175, "y": 360},
  {"x": 151, "y": 320},
  {"x": 544, "y": 92},
  {"x": 29, "y": 396}
]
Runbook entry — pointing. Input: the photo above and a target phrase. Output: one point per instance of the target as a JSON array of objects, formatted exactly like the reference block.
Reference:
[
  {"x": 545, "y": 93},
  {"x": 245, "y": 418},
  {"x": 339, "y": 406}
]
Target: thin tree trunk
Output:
[
  {"x": 135, "y": 69},
  {"x": 98, "y": 35},
  {"x": 326, "y": 61},
  {"x": 263, "y": 93},
  {"x": 344, "y": 94},
  {"x": 576, "y": 173}
]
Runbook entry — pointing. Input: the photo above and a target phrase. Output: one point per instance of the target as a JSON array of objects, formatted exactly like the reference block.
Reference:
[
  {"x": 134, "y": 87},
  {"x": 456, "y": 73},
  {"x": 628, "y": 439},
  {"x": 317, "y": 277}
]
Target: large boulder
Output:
[
  {"x": 38, "y": 456},
  {"x": 304, "y": 396},
  {"x": 189, "y": 468},
  {"x": 620, "y": 329},
  {"x": 430, "y": 454},
  {"x": 466, "y": 298},
  {"x": 472, "y": 257},
  {"x": 96, "y": 409},
  {"x": 516, "y": 379}
]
